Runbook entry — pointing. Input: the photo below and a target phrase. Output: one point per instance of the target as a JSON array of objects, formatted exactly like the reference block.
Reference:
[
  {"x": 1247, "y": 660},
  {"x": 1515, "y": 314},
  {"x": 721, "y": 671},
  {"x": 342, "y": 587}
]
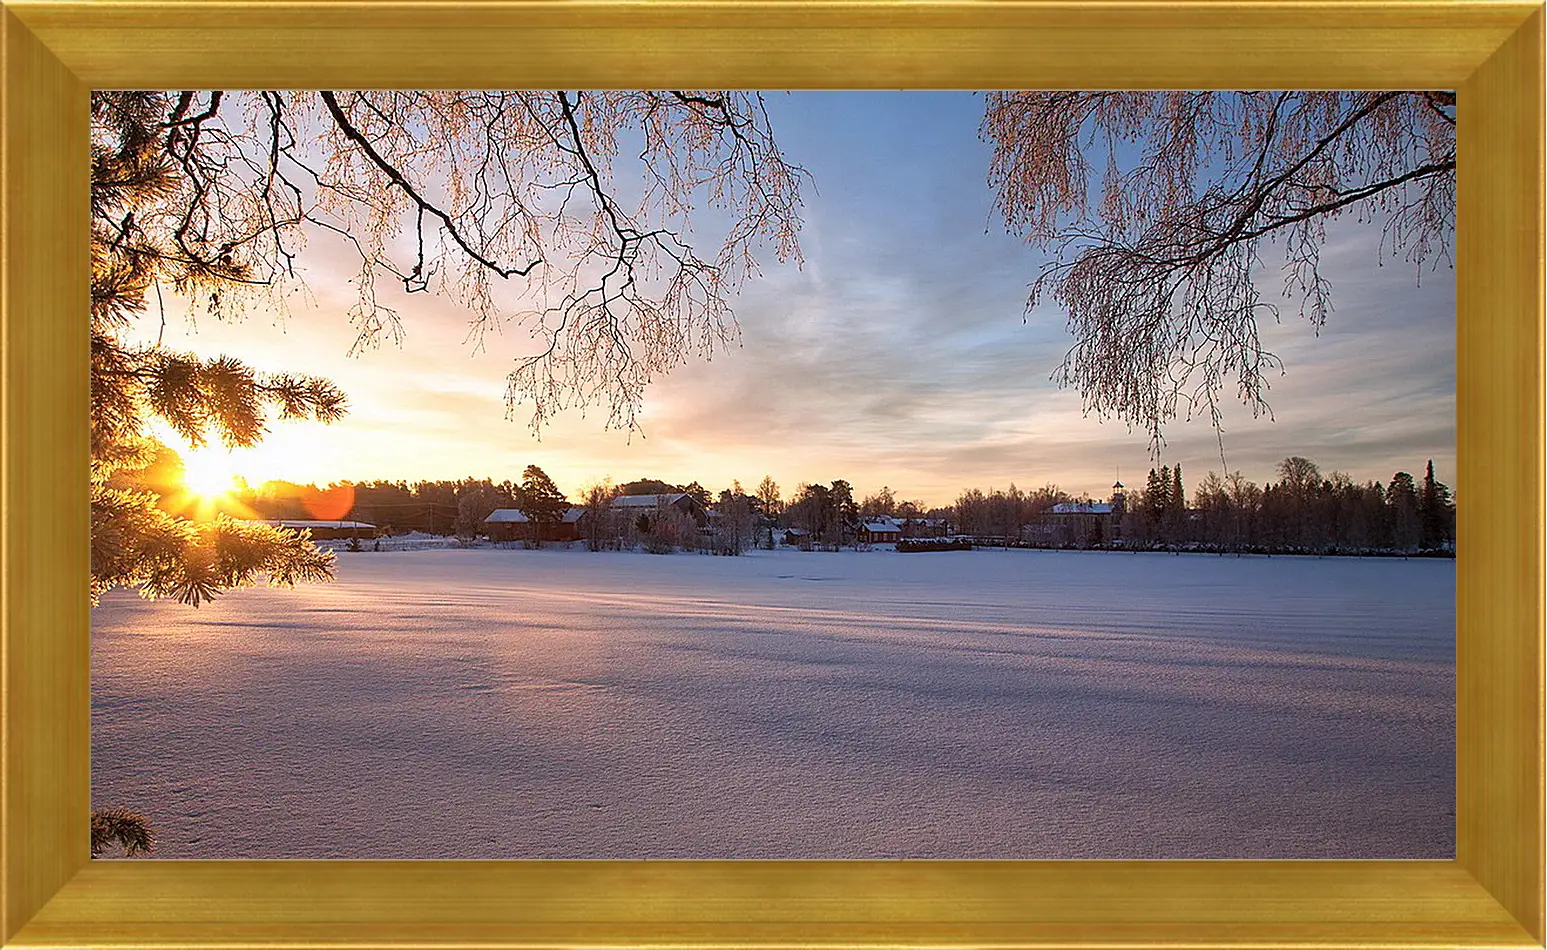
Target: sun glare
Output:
[{"x": 207, "y": 472}]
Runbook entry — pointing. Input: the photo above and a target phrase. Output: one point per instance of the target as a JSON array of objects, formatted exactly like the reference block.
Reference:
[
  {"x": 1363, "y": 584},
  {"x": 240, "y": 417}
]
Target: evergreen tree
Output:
[
  {"x": 844, "y": 508},
  {"x": 541, "y": 501},
  {"x": 648, "y": 486},
  {"x": 1157, "y": 498},
  {"x": 135, "y": 542},
  {"x": 1435, "y": 512},
  {"x": 1402, "y": 505},
  {"x": 698, "y": 493},
  {"x": 1176, "y": 513}
]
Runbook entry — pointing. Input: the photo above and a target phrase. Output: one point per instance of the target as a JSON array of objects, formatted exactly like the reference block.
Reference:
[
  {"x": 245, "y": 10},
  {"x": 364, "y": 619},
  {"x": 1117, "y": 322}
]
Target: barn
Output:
[{"x": 512, "y": 524}]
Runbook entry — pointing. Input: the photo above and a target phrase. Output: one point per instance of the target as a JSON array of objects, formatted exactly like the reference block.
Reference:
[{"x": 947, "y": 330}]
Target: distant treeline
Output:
[
  {"x": 1303, "y": 511},
  {"x": 443, "y": 507}
]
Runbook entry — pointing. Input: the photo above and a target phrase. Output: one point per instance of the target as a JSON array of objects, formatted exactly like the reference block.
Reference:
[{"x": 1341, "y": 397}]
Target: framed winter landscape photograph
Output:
[
  {"x": 628, "y": 514},
  {"x": 627, "y": 551}
]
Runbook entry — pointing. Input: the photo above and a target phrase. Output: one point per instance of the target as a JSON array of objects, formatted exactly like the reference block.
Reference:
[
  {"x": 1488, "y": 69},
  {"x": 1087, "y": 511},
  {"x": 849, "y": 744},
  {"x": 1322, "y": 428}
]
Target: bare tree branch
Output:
[
  {"x": 396, "y": 177},
  {"x": 1159, "y": 279}
]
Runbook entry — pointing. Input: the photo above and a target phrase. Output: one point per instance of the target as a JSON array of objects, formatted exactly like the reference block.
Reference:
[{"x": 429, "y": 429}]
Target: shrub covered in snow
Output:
[{"x": 934, "y": 544}]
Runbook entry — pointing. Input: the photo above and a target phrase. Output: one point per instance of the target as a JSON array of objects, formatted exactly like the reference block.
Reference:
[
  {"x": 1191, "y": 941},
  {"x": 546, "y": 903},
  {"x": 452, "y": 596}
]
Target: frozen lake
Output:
[{"x": 985, "y": 704}]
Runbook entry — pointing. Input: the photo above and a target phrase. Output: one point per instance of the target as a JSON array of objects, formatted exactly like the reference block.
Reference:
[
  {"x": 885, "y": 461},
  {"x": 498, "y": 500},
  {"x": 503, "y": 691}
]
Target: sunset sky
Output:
[{"x": 897, "y": 355}]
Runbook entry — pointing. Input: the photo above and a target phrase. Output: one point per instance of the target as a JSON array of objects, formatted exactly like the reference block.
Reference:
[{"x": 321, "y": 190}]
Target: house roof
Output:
[
  {"x": 506, "y": 515},
  {"x": 1081, "y": 508},
  {"x": 881, "y": 524},
  {"x": 289, "y": 523},
  {"x": 517, "y": 516},
  {"x": 647, "y": 501}
]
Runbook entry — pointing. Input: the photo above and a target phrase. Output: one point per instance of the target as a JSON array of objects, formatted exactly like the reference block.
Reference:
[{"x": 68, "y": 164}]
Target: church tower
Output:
[{"x": 1119, "y": 509}]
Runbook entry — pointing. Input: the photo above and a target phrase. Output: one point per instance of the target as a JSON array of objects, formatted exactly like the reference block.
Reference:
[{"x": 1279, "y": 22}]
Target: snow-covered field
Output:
[{"x": 1009, "y": 704}]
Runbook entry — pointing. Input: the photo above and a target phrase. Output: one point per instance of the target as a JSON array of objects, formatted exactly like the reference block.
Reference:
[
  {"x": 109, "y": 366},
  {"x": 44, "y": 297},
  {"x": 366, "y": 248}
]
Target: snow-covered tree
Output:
[
  {"x": 602, "y": 522},
  {"x": 476, "y": 499},
  {"x": 733, "y": 524},
  {"x": 1157, "y": 263}
]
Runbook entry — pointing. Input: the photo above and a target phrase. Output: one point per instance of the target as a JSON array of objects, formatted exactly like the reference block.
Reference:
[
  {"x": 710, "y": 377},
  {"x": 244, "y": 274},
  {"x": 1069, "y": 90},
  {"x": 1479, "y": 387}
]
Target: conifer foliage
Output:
[
  {"x": 541, "y": 499},
  {"x": 135, "y": 246},
  {"x": 129, "y": 830},
  {"x": 212, "y": 195}
]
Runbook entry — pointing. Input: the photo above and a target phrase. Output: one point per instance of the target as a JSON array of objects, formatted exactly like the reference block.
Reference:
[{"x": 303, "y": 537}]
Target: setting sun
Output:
[{"x": 208, "y": 472}]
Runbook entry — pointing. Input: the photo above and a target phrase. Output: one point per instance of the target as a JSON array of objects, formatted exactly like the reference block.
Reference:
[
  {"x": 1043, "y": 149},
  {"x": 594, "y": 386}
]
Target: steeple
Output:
[{"x": 1119, "y": 508}]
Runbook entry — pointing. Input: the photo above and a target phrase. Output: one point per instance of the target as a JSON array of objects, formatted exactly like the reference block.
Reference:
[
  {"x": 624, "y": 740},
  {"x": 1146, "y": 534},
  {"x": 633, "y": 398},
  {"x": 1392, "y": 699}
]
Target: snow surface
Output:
[{"x": 496, "y": 703}]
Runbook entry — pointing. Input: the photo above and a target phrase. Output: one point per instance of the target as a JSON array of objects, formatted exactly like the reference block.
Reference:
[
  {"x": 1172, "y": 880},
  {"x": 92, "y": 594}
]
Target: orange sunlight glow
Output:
[
  {"x": 207, "y": 472},
  {"x": 209, "y": 484},
  {"x": 329, "y": 504}
]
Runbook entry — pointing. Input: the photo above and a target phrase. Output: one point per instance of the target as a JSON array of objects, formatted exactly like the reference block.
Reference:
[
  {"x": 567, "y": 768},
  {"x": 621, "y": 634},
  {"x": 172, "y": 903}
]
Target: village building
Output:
[
  {"x": 1073, "y": 524},
  {"x": 512, "y": 524},
  {"x": 647, "y": 504},
  {"x": 925, "y": 528},
  {"x": 1080, "y": 524},
  {"x": 328, "y": 530},
  {"x": 879, "y": 530},
  {"x": 797, "y": 536}
]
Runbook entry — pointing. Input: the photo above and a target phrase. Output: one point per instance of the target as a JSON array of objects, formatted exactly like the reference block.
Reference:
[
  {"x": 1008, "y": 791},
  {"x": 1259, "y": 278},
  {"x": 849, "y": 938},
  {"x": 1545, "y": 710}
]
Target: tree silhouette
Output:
[
  {"x": 541, "y": 501},
  {"x": 1436, "y": 513},
  {"x": 1402, "y": 501},
  {"x": 768, "y": 496},
  {"x": 698, "y": 493}
]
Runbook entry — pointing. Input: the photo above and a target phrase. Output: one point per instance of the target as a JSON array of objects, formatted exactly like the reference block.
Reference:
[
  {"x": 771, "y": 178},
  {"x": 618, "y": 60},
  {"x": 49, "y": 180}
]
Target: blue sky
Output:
[{"x": 901, "y": 354}]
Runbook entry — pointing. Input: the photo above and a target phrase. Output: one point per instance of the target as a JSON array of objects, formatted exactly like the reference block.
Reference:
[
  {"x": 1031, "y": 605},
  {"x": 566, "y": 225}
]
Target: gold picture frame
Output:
[{"x": 56, "y": 51}]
